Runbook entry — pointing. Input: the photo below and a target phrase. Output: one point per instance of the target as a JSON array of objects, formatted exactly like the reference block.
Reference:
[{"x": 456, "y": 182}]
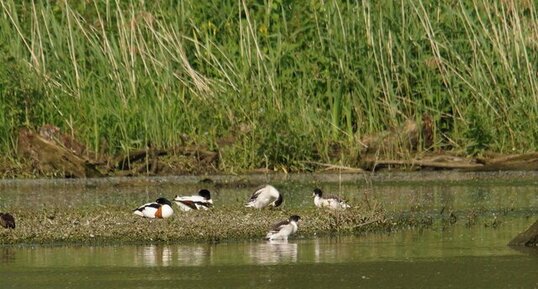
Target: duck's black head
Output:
[
  {"x": 318, "y": 192},
  {"x": 163, "y": 201},
  {"x": 205, "y": 194},
  {"x": 295, "y": 218},
  {"x": 278, "y": 201}
]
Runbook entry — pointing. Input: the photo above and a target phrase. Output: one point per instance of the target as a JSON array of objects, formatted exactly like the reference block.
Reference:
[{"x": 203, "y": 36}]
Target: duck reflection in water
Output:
[
  {"x": 194, "y": 255},
  {"x": 7, "y": 255},
  {"x": 273, "y": 252},
  {"x": 158, "y": 255},
  {"x": 154, "y": 256}
]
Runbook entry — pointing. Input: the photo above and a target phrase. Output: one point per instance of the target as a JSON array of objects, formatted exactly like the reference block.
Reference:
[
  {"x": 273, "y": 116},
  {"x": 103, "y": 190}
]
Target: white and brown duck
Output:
[
  {"x": 160, "y": 209},
  {"x": 330, "y": 201},
  {"x": 282, "y": 230},
  {"x": 202, "y": 201},
  {"x": 265, "y": 196}
]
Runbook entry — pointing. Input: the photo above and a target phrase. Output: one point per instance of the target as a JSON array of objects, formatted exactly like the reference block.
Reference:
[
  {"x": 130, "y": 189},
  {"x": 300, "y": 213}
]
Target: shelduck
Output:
[
  {"x": 202, "y": 201},
  {"x": 282, "y": 230},
  {"x": 265, "y": 196},
  {"x": 160, "y": 209},
  {"x": 331, "y": 202}
]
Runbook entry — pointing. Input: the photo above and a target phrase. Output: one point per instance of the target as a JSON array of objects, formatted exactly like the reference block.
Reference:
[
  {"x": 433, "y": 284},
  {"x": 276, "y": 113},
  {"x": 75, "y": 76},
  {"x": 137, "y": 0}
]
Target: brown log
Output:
[
  {"x": 125, "y": 162},
  {"x": 524, "y": 162},
  {"x": 428, "y": 163},
  {"x": 528, "y": 238},
  {"x": 49, "y": 156}
]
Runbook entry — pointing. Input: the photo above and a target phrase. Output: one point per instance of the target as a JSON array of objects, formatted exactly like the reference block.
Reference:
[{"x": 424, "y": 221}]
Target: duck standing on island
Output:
[{"x": 283, "y": 229}]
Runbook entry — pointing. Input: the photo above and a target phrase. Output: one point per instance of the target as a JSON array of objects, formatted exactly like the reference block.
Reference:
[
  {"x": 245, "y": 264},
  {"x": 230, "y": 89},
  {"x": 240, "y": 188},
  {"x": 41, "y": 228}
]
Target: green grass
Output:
[{"x": 289, "y": 79}]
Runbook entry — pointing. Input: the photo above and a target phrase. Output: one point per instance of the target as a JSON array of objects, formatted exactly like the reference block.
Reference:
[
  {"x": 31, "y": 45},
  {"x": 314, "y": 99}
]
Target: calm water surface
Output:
[
  {"x": 457, "y": 258},
  {"x": 460, "y": 256}
]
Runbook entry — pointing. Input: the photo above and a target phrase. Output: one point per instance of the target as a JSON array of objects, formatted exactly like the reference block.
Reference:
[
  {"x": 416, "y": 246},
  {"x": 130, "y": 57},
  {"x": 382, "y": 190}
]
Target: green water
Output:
[
  {"x": 464, "y": 255},
  {"x": 456, "y": 258}
]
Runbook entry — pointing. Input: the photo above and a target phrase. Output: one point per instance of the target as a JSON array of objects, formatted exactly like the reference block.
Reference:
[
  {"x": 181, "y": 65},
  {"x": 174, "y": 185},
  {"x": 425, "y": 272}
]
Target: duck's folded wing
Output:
[
  {"x": 205, "y": 204},
  {"x": 278, "y": 226},
  {"x": 151, "y": 205},
  {"x": 336, "y": 198},
  {"x": 187, "y": 202},
  {"x": 194, "y": 202},
  {"x": 256, "y": 194}
]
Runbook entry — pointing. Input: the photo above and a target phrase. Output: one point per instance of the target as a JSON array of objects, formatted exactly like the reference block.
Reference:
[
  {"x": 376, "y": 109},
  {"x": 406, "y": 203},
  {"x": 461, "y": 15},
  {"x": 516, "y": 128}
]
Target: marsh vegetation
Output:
[{"x": 274, "y": 84}]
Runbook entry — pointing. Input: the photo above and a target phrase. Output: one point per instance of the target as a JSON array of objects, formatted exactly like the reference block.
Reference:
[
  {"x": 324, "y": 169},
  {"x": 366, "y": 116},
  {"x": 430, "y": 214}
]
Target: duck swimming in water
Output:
[
  {"x": 265, "y": 196},
  {"x": 160, "y": 209}
]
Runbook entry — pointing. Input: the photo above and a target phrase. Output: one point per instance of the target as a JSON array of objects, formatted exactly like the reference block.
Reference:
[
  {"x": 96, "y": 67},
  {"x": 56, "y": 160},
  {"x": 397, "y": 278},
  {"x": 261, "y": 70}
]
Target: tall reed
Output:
[{"x": 290, "y": 80}]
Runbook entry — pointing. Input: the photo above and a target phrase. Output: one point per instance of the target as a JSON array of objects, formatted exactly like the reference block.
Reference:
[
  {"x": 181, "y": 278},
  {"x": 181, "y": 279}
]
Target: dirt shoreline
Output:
[
  {"x": 15, "y": 170},
  {"x": 52, "y": 154}
]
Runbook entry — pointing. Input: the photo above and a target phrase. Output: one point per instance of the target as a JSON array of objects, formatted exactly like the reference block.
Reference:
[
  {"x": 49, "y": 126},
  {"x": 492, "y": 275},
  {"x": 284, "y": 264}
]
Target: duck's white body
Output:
[
  {"x": 202, "y": 201},
  {"x": 154, "y": 210},
  {"x": 265, "y": 196},
  {"x": 282, "y": 230}
]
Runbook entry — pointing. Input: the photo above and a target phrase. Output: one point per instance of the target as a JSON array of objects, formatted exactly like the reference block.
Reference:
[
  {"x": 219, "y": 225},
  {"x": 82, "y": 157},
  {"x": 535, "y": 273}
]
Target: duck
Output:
[
  {"x": 331, "y": 202},
  {"x": 282, "y": 230},
  {"x": 265, "y": 196},
  {"x": 7, "y": 221},
  {"x": 202, "y": 201},
  {"x": 160, "y": 209}
]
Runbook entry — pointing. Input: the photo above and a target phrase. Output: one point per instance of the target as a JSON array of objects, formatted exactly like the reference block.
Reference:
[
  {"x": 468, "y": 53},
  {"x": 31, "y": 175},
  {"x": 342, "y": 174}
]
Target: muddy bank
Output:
[
  {"x": 51, "y": 153},
  {"x": 48, "y": 152}
]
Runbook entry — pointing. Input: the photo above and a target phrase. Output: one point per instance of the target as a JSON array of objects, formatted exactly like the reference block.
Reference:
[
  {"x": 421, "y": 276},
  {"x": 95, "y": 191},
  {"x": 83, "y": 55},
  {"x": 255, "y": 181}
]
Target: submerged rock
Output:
[{"x": 529, "y": 238}]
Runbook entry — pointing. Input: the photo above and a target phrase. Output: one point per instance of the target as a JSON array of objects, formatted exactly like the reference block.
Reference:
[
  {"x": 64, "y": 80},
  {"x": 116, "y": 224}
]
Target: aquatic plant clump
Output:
[{"x": 272, "y": 86}]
